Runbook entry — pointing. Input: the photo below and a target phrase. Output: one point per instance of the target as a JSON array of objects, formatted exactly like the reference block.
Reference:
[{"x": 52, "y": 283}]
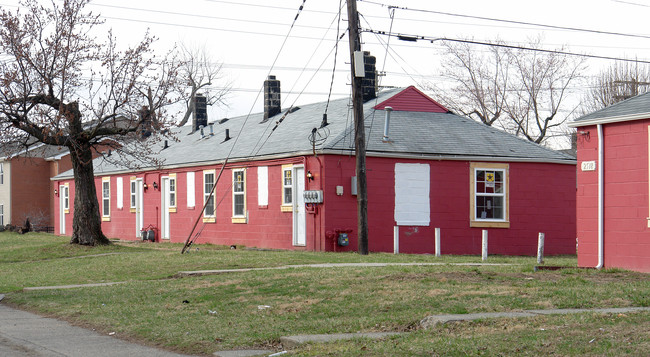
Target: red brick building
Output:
[
  {"x": 25, "y": 187},
  {"x": 427, "y": 168},
  {"x": 612, "y": 199}
]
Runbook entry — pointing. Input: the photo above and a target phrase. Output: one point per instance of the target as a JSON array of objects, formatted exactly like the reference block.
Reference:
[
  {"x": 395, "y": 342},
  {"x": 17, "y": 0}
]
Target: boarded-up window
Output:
[
  {"x": 263, "y": 185},
  {"x": 190, "y": 190},
  {"x": 412, "y": 207},
  {"x": 119, "y": 194}
]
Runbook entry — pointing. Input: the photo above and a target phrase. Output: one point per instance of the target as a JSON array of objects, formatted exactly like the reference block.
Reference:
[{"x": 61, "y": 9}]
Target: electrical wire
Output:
[
  {"x": 391, "y": 13},
  {"x": 313, "y": 54},
  {"x": 415, "y": 38},
  {"x": 190, "y": 240},
  {"x": 209, "y": 17},
  {"x": 483, "y": 18},
  {"x": 336, "y": 51}
]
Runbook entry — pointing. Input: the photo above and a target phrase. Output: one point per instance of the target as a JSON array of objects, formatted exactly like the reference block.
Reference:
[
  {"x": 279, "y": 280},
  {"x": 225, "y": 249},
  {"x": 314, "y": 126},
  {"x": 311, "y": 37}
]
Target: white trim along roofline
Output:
[
  {"x": 337, "y": 152},
  {"x": 609, "y": 120}
]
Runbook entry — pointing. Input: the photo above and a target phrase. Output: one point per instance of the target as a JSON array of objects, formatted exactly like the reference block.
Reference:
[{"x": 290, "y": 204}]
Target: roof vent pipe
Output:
[
  {"x": 211, "y": 129},
  {"x": 201, "y": 129},
  {"x": 387, "y": 123},
  {"x": 227, "y": 135}
]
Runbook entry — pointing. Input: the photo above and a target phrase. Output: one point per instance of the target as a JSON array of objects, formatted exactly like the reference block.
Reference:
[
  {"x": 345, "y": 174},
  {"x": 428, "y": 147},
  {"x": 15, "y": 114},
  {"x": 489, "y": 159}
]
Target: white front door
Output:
[
  {"x": 299, "y": 217},
  {"x": 139, "y": 208},
  {"x": 165, "y": 205},
  {"x": 63, "y": 197}
]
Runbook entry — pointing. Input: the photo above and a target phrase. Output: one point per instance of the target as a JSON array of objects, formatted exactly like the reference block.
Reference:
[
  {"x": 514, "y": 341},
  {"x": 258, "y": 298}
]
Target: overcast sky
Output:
[{"x": 247, "y": 35}]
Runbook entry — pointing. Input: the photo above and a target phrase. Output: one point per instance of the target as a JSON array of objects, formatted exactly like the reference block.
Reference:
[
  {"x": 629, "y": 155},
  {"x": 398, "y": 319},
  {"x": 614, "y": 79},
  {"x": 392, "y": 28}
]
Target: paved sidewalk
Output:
[
  {"x": 182, "y": 274},
  {"x": 23, "y": 334},
  {"x": 431, "y": 321}
]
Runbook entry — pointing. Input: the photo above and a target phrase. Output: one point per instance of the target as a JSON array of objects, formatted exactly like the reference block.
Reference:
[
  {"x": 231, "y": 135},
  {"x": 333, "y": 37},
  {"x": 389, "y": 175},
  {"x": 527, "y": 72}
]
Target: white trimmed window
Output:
[
  {"x": 190, "y": 190},
  {"x": 239, "y": 195},
  {"x": 208, "y": 198},
  {"x": 133, "y": 193},
  {"x": 489, "y": 195},
  {"x": 2, "y": 215},
  {"x": 2, "y": 173},
  {"x": 287, "y": 188},
  {"x": 106, "y": 198}
]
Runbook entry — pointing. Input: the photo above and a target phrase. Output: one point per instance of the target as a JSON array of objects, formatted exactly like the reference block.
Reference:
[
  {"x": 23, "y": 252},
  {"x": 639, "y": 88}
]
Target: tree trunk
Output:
[{"x": 86, "y": 223}]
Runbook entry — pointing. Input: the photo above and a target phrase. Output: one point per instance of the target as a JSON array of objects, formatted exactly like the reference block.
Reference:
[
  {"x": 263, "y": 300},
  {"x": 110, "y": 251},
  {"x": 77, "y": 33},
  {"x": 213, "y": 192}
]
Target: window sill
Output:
[
  {"x": 286, "y": 208},
  {"x": 106, "y": 219},
  {"x": 67, "y": 211},
  {"x": 172, "y": 210},
  {"x": 482, "y": 224},
  {"x": 209, "y": 219},
  {"x": 239, "y": 220},
  {"x": 132, "y": 210}
]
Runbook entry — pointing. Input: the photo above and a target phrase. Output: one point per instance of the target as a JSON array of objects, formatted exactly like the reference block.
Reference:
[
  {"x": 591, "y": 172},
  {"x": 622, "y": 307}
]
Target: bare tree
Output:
[
  {"x": 519, "y": 90},
  {"x": 198, "y": 68},
  {"x": 620, "y": 81},
  {"x": 60, "y": 85},
  {"x": 480, "y": 81}
]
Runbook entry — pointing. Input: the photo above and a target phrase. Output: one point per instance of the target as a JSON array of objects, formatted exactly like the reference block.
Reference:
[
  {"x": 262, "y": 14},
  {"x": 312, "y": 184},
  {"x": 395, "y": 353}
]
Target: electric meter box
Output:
[
  {"x": 343, "y": 240},
  {"x": 313, "y": 196}
]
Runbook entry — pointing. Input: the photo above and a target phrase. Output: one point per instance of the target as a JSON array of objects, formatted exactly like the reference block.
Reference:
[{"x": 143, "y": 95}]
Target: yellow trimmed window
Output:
[
  {"x": 489, "y": 201},
  {"x": 172, "y": 192},
  {"x": 287, "y": 188},
  {"x": 66, "y": 197},
  {"x": 133, "y": 191}
]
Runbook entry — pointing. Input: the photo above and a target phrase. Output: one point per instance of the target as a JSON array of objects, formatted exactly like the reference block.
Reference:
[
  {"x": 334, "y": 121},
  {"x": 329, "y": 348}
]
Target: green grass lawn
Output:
[{"x": 204, "y": 314}]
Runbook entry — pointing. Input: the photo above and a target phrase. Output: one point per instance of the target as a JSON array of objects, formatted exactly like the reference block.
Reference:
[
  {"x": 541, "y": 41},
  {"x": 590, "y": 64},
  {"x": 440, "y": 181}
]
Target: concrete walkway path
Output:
[
  {"x": 23, "y": 334},
  {"x": 431, "y": 321},
  {"x": 181, "y": 274}
]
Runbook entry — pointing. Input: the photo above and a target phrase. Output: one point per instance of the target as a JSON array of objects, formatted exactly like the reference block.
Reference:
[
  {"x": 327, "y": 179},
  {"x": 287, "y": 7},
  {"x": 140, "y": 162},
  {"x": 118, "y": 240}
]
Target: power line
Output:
[
  {"x": 631, "y": 3},
  {"x": 567, "y": 28},
  {"x": 415, "y": 38},
  {"x": 267, "y": 6},
  {"x": 209, "y": 17}
]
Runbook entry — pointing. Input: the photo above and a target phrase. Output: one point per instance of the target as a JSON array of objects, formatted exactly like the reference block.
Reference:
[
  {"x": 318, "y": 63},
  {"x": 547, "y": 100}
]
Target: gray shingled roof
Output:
[
  {"x": 638, "y": 105},
  {"x": 411, "y": 133},
  {"x": 39, "y": 150}
]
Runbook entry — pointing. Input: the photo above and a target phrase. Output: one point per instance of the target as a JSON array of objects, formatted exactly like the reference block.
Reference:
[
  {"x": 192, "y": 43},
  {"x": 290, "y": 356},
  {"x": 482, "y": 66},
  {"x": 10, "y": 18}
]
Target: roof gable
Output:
[{"x": 412, "y": 100}]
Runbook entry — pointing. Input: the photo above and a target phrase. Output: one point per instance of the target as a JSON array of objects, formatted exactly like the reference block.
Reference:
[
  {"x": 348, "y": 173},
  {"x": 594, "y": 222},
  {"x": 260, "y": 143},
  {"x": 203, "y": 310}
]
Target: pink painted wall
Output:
[
  {"x": 627, "y": 236},
  {"x": 542, "y": 199}
]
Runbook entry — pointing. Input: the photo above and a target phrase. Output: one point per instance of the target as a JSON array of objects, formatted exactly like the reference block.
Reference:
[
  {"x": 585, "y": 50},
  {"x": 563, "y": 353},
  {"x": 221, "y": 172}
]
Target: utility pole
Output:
[{"x": 358, "y": 72}]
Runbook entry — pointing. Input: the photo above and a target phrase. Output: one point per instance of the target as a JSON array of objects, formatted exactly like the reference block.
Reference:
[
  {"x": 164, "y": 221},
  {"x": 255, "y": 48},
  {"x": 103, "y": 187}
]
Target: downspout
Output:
[{"x": 601, "y": 232}]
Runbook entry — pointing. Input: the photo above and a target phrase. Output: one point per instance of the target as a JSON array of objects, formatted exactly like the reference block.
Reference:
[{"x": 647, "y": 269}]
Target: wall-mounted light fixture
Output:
[
  {"x": 155, "y": 185},
  {"x": 145, "y": 186},
  {"x": 56, "y": 192},
  {"x": 310, "y": 177}
]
